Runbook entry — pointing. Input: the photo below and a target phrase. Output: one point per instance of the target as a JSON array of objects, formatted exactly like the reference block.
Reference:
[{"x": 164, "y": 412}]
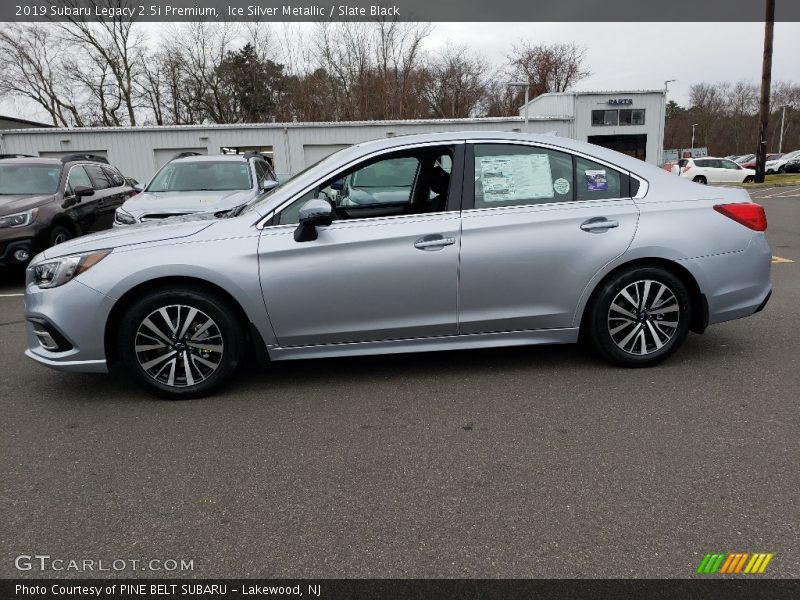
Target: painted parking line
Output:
[
  {"x": 11, "y": 295},
  {"x": 776, "y": 260}
]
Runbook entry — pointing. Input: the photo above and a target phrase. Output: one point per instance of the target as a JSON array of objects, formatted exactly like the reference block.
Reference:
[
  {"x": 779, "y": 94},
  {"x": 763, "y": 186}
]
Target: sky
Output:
[{"x": 621, "y": 56}]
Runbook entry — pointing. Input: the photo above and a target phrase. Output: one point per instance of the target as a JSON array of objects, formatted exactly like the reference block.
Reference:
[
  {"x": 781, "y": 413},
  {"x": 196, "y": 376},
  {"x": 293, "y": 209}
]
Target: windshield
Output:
[
  {"x": 791, "y": 155},
  {"x": 21, "y": 179},
  {"x": 202, "y": 176},
  {"x": 320, "y": 164}
]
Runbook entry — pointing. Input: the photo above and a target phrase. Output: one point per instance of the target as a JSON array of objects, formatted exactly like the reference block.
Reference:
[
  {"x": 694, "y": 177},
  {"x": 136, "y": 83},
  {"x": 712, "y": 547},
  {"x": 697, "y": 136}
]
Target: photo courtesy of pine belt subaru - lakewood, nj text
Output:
[{"x": 425, "y": 242}]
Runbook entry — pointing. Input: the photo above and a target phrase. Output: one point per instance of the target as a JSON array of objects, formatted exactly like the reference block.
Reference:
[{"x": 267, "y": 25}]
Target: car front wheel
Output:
[
  {"x": 180, "y": 343},
  {"x": 640, "y": 317}
]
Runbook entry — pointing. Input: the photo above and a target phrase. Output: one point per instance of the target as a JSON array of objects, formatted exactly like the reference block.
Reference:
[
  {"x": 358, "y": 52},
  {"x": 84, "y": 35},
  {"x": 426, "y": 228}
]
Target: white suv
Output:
[{"x": 713, "y": 170}]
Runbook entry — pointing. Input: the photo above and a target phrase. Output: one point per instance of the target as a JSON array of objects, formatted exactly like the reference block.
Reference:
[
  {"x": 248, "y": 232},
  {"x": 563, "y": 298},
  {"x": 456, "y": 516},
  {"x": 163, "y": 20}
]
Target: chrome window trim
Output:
[
  {"x": 72, "y": 168},
  {"x": 262, "y": 222},
  {"x": 643, "y": 184},
  {"x": 369, "y": 221}
]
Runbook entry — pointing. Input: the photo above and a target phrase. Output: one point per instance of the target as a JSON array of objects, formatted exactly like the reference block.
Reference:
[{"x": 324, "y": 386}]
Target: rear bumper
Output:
[{"x": 735, "y": 284}]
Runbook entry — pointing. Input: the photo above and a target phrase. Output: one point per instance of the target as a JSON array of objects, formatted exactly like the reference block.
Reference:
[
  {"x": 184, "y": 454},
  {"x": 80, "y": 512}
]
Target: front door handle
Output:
[
  {"x": 599, "y": 224},
  {"x": 433, "y": 242}
]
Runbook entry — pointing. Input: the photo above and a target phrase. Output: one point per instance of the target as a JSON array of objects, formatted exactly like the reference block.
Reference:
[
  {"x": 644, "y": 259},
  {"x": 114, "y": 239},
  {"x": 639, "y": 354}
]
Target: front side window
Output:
[
  {"x": 204, "y": 175},
  {"x": 512, "y": 175},
  {"x": 22, "y": 179},
  {"x": 407, "y": 182},
  {"x": 77, "y": 178}
]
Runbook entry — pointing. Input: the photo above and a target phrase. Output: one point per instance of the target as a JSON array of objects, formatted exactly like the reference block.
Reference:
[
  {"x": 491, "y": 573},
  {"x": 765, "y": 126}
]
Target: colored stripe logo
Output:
[{"x": 731, "y": 563}]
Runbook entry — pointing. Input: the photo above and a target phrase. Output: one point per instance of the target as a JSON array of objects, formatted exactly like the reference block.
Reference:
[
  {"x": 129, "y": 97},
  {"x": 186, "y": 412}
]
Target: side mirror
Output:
[
  {"x": 81, "y": 191},
  {"x": 337, "y": 185},
  {"x": 268, "y": 184},
  {"x": 139, "y": 187},
  {"x": 314, "y": 213}
]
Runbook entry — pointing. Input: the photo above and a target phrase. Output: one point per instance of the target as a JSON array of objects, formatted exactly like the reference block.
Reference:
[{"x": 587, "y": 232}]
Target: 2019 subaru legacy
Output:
[{"x": 491, "y": 239}]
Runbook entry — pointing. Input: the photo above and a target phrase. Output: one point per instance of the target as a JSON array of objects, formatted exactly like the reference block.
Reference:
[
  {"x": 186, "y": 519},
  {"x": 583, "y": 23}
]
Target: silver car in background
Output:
[
  {"x": 497, "y": 239},
  {"x": 192, "y": 183}
]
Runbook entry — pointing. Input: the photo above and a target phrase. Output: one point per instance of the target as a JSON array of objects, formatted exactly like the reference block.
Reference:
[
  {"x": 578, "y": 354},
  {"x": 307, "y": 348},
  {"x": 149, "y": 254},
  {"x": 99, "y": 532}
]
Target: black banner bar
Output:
[
  {"x": 267, "y": 11},
  {"x": 733, "y": 588}
]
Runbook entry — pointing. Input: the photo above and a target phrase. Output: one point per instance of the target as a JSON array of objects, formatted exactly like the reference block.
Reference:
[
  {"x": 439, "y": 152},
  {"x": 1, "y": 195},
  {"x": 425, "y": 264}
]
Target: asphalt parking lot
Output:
[{"x": 522, "y": 462}]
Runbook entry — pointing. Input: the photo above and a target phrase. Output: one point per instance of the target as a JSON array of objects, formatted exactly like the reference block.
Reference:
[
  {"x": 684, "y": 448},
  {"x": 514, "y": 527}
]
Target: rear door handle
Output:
[
  {"x": 434, "y": 242},
  {"x": 599, "y": 224}
]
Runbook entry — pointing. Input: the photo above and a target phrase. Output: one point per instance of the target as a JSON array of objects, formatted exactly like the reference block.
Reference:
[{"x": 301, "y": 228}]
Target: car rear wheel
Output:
[
  {"x": 181, "y": 343},
  {"x": 59, "y": 234},
  {"x": 749, "y": 179},
  {"x": 640, "y": 317},
  {"x": 700, "y": 179}
]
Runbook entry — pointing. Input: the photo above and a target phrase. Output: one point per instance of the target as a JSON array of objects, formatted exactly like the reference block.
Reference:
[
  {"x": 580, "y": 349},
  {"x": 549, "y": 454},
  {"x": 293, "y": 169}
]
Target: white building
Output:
[
  {"x": 627, "y": 121},
  {"x": 140, "y": 151}
]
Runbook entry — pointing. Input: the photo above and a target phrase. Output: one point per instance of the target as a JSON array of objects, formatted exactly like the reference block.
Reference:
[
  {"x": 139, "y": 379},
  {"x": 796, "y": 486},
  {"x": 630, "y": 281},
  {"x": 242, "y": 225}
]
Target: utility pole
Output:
[
  {"x": 783, "y": 120},
  {"x": 766, "y": 81}
]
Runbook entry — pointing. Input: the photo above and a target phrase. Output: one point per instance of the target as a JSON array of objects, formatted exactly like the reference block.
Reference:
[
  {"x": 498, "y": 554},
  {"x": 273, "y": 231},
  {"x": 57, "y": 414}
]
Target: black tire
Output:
[
  {"x": 181, "y": 346},
  {"x": 781, "y": 169},
  {"x": 59, "y": 234},
  {"x": 700, "y": 179},
  {"x": 749, "y": 179},
  {"x": 653, "y": 321}
]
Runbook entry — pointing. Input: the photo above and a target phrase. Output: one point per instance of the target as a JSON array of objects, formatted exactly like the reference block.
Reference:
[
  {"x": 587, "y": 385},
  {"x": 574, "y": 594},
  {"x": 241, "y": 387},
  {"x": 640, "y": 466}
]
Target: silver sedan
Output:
[{"x": 460, "y": 240}]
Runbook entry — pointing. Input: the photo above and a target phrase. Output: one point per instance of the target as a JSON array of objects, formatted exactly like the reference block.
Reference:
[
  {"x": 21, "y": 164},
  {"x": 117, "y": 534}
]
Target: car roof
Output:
[
  {"x": 213, "y": 158},
  {"x": 557, "y": 142}
]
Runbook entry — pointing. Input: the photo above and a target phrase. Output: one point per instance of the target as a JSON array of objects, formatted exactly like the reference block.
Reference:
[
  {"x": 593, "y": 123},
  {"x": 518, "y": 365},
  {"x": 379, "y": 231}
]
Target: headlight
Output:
[
  {"x": 19, "y": 219},
  {"x": 53, "y": 273},
  {"x": 123, "y": 217}
]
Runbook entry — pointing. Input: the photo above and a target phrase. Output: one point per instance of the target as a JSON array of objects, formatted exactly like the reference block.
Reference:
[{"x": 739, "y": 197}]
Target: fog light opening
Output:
[{"x": 21, "y": 255}]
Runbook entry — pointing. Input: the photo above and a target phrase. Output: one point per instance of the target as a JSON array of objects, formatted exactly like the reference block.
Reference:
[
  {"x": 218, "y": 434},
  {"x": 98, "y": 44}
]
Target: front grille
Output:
[{"x": 159, "y": 216}]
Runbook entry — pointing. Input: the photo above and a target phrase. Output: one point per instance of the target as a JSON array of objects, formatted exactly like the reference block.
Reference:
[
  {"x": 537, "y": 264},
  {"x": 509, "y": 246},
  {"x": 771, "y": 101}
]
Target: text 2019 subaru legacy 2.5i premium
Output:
[{"x": 497, "y": 239}]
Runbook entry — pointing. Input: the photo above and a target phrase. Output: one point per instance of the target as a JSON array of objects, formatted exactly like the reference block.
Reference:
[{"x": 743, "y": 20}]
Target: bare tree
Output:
[
  {"x": 31, "y": 62},
  {"x": 108, "y": 59},
  {"x": 456, "y": 83}
]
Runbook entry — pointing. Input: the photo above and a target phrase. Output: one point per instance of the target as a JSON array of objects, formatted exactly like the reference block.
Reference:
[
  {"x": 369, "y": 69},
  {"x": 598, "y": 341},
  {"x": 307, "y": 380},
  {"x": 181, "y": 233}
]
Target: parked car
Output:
[
  {"x": 713, "y": 170},
  {"x": 779, "y": 165},
  {"x": 793, "y": 166},
  {"x": 744, "y": 158},
  {"x": 47, "y": 201},
  {"x": 580, "y": 240},
  {"x": 751, "y": 164},
  {"x": 193, "y": 183}
]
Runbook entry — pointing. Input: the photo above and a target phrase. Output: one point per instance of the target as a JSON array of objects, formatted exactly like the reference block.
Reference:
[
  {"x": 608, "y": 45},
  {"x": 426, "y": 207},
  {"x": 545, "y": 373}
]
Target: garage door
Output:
[
  {"x": 316, "y": 152},
  {"x": 163, "y": 155}
]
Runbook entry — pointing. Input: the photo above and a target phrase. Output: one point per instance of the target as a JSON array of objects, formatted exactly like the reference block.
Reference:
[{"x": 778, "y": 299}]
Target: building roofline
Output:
[
  {"x": 26, "y": 121},
  {"x": 289, "y": 125}
]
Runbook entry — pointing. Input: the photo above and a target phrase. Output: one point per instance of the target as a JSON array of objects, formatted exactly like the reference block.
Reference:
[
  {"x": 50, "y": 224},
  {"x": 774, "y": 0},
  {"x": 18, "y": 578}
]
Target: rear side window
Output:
[
  {"x": 99, "y": 177},
  {"x": 511, "y": 175},
  {"x": 114, "y": 176},
  {"x": 594, "y": 181}
]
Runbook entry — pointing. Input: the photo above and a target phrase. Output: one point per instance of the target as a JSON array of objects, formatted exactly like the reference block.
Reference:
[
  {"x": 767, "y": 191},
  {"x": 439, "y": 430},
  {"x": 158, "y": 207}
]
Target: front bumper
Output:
[
  {"x": 10, "y": 248},
  {"x": 74, "y": 315}
]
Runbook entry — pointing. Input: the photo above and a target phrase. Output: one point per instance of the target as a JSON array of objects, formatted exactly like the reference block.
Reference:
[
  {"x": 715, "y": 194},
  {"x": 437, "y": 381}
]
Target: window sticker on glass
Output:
[
  {"x": 561, "y": 186},
  {"x": 596, "y": 180},
  {"x": 515, "y": 177}
]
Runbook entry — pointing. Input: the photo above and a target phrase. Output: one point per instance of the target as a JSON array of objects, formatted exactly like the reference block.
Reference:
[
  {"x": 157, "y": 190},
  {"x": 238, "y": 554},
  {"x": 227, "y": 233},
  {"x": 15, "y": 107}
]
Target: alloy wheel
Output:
[
  {"x": 178, "y": 345},
  {"x": 643, "y": 317}
]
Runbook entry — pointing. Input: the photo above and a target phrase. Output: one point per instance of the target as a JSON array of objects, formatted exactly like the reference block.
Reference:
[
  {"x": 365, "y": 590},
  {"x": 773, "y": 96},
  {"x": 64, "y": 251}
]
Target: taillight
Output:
[
  {"x": 749, "y": 214},
  {"x": 686, "y": 168}
]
